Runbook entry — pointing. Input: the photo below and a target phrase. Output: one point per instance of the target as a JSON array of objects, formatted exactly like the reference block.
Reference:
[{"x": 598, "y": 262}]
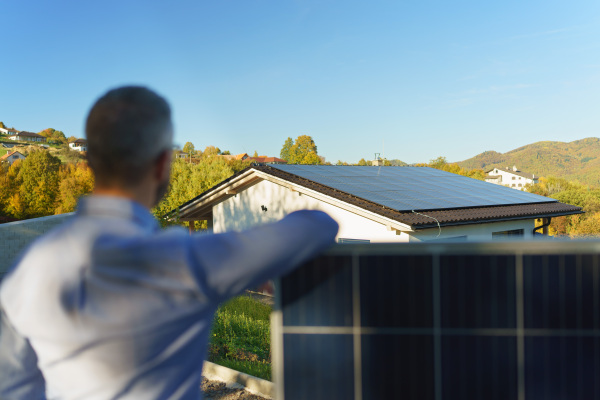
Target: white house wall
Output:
[
  {"x": 245, "y": 210},
  {"x": 475, "y": 232}
]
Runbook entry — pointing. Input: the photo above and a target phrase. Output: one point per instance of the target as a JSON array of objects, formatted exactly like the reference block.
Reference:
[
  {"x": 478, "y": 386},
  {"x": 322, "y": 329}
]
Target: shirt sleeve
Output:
[
  {"x": 229, "y": 263},
  {"x": 20, "y": 377}
]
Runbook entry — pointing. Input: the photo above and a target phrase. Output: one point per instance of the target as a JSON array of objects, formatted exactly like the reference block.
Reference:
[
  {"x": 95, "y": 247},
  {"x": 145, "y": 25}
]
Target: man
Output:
[{"x": 108, "y": 306}]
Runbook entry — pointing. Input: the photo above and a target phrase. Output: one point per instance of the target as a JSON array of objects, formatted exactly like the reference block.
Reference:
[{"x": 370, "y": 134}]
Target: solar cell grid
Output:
[
  {"x": 429, "y": 188},
  {"x": 472, "y": 321}
]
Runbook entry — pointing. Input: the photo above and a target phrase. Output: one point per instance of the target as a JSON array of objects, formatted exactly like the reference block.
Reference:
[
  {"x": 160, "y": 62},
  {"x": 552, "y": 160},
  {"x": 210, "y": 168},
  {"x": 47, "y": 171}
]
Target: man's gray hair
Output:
[{"x": 127, "y": 129}]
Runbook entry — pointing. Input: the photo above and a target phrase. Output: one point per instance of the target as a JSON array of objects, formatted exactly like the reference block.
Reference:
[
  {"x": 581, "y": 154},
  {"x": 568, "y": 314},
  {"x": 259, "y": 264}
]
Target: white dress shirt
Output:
[{"x": 107, "y": 306}]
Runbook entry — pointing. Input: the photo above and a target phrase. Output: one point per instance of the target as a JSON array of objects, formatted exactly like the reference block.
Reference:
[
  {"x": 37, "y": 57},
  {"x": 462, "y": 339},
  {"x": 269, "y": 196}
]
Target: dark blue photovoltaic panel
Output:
[
  {"x": 450, "y": 321},
  {"x": 412, "y": 188}
]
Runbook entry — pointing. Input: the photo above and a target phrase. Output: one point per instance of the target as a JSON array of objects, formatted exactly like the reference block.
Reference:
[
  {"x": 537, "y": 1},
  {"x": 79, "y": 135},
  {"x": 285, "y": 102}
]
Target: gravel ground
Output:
[{"x": 218, "y": 391}]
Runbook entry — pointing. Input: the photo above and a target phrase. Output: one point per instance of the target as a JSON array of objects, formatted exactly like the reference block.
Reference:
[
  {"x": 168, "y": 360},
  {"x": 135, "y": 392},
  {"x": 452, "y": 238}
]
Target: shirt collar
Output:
[{"x": 117, "y": 207}]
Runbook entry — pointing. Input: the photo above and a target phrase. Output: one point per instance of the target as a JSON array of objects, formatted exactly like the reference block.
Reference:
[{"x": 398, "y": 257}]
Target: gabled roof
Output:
[
  {"x": 7, "y": 155},
  {"x": 79, "y": 141},
  {"x": 29, "y": 134},
  {"x": 476, "y": 207}
]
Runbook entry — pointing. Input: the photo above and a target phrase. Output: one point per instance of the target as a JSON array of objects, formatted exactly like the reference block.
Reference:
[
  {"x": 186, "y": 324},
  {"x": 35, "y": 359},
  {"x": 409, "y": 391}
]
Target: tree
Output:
[
  {"x": 255, "y": 154},
  {"x": 304, "y": 151},
  {"x": 38, "y": 190},
  {"x": 362, "y": 161},
  {"x": 75, "y": 181},
  {"x": 284, "y": 154},
  {"x": 2, "y": 125},
  {"x": 212, "y": 151},
  {"x": 188, "y": 147},
  {"x": 438, "y": 163}
]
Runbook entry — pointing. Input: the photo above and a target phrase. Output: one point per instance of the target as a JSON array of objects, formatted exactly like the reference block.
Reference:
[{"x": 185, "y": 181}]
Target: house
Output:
[
  {"x": 181, "y": 154},
  {"x": 512, "y": 178},
  {"x": 79, "y": 145},
  {"x": 11, "y": 157},
  {"x": 8, "y": 131},
  {"x": 387, "y": 204},
  {"x": 27, "y": 137}
]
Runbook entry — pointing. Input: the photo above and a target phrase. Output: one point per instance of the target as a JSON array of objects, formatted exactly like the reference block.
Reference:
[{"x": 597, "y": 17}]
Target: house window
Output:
[
  {"x": 352, "y": 241},
  {"x": 520, "y": 185},
  {"x": 506, "y": 234},
  {"x": 519, "y": 178},
  {"x": 513, "y": 178},
  {"x": 513, "y": 185}
]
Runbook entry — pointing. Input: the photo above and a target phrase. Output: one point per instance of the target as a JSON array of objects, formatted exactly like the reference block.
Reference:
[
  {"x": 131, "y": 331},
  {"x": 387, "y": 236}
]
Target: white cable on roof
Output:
[{"x": 438, "y": 222}]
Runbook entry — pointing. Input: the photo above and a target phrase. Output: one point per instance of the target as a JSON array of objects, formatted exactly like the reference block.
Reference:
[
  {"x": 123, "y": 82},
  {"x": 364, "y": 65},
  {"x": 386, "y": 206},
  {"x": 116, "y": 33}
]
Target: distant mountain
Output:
[{"x": 578, "y": 160}]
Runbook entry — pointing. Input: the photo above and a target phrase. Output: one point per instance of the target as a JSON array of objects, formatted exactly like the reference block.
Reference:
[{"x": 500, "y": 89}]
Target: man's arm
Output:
[
  {"x": 20, "y": 377},
  {"x": 229, "y": 263}
]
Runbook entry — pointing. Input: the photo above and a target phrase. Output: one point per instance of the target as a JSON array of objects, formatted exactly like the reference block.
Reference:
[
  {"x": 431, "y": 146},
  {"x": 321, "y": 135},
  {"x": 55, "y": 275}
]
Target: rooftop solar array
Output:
[
  {"x": 412, "y": 188},
  {"x": 490, "y": 321}
]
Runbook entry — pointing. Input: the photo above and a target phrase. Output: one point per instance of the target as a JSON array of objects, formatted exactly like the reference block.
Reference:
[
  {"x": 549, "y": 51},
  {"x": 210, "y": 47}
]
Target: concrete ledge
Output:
[{"x": 254, "y": 385}]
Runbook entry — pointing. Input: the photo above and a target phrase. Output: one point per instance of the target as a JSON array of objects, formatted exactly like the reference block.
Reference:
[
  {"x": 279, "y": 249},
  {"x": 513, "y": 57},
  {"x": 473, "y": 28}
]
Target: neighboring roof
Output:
[
  {"x": 266, "y": 160},
  {"x": 7, "y": 155},
  {"x": 517, "y": 173},
  {"x": 543, "y": 207},
  {"x": 242, "y": 156},
  {"x": 79, "y": 141},
  {"x": 29, "y": 134}
]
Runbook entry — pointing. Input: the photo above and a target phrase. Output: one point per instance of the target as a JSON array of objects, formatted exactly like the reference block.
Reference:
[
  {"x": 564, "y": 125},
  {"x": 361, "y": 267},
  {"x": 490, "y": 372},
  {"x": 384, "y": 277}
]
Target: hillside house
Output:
[
  {"x": 387, "y": 204},
  {"x": 511, "y": 177},
  {"x": 79, "y": 145},
  {"x": 28, "y": 137},
  {"x": 8, "y": 131},
  {"x": 11, "y": 157}
]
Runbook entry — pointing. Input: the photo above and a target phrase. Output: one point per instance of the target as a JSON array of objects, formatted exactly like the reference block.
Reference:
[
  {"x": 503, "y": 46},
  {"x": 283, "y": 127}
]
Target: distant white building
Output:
[
  {"x": 511, "y": 177},
  {"x": 79, "y": 145}
]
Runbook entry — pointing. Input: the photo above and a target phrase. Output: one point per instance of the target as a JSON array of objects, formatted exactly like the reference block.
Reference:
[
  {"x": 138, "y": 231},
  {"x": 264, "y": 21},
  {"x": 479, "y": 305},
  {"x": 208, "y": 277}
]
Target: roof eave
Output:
[{"x": 501, "y": 219}]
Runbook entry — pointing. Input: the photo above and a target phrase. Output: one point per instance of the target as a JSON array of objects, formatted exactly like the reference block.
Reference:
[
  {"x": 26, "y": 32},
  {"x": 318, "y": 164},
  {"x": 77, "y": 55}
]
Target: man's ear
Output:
[{"x": 162, "y": 167}]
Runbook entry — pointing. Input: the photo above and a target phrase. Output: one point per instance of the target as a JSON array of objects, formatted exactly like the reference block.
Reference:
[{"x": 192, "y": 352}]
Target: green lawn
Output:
[{"x": 241, "y": 337}]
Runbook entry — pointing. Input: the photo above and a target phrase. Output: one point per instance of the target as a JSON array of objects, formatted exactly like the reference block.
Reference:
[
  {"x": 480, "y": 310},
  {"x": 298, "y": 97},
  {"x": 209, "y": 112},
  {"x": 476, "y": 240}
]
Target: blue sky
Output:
[{"x": 415, "y": 80}]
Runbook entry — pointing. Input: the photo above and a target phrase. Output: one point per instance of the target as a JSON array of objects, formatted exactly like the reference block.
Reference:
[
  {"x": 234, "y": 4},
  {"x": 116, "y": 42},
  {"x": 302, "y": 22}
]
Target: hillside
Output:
[{"x": 578, "y": 160}]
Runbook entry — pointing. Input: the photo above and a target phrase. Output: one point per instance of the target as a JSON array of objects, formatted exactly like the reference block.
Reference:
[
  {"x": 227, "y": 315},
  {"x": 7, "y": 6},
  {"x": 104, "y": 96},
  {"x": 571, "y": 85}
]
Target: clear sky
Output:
[{"x": 413, "y": 79}]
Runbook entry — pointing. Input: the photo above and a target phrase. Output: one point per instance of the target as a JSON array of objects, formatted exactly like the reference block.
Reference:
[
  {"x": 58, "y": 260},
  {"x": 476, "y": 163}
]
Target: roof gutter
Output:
[{"x": 485, "y": 221}]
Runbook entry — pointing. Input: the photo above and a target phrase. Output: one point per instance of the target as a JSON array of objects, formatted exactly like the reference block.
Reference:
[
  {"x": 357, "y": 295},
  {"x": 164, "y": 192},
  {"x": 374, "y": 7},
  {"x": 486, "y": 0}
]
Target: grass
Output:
[{"x": 241, "y": 337}]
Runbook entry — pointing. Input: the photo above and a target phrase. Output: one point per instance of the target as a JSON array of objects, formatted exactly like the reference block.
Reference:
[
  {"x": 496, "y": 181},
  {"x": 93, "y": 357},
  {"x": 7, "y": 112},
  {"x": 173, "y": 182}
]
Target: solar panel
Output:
[
  {"x": 441, "y": 321},
  {"x": 429, "y": 188}
]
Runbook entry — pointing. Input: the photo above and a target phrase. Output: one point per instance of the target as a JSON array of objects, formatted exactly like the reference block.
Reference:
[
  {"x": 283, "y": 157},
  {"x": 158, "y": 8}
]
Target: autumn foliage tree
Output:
[
  {"x": 188, "y": 180},
  {"x": 38, "y": 186},
  {"x": 303, "y": 151}
]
